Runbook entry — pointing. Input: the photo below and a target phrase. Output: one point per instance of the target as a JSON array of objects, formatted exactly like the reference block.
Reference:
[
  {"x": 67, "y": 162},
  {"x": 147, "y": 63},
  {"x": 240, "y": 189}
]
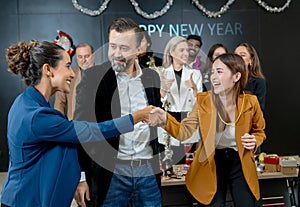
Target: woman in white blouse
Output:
[{"x": 179, "y": 87}]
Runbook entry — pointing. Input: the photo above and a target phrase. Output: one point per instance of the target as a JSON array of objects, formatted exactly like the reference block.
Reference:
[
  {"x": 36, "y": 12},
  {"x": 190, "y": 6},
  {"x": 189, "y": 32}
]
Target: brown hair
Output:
[
  {"x": 209, "y": 59},
  {"x": 235, "y": 64},
  {"x": 124, "y": 24},
  {"x": 28, "y": 59},
  {"x": 254, "y": 69}
]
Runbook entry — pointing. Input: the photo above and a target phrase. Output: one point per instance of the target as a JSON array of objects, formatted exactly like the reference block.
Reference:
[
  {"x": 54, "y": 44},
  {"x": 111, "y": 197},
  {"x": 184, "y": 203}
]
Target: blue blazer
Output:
[{"x": 43, "y": 168}]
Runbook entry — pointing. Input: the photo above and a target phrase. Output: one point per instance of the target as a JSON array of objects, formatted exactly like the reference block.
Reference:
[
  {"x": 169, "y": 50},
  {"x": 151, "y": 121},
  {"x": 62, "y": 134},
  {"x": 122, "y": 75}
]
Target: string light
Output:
[{"x": 169, "y": 3}]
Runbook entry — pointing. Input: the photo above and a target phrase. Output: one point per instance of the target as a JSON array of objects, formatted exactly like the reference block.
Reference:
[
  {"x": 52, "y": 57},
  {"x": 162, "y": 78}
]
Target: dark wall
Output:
[{"x": 275, "y": 36}]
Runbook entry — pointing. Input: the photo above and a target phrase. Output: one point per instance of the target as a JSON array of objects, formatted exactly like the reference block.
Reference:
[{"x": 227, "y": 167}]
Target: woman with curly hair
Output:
[{"x": 43, "y": 166}]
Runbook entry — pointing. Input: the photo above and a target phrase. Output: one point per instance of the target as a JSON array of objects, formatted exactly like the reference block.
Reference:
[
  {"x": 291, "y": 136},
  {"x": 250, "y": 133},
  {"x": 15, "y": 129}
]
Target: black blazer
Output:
[
  {"x": 258, "y": 87},
  {"x": 143, "y": 60},
  {"x": 98, "y": 100}
]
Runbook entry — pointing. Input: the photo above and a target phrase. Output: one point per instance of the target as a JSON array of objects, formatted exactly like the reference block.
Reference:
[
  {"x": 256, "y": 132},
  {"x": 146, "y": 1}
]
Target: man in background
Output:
[
  {"x": 195, "y": 43},
  {"x": 194, "y": 60},
  {"x": 65, "y": 103}
]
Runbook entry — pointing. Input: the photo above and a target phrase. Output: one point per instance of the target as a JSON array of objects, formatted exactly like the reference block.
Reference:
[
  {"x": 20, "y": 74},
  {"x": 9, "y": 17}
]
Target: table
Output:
[{"x": 276, "y": 189}]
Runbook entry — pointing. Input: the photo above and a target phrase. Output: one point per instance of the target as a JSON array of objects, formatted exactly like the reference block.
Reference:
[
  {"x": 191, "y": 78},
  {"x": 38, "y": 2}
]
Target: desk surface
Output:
[
  {"x": 272, "y": 175},
  {"x": 166, "y": 181}
]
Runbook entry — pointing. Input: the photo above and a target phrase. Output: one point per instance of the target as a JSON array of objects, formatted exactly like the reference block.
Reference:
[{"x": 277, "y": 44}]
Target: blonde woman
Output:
[{"x": 179, "y": 87}]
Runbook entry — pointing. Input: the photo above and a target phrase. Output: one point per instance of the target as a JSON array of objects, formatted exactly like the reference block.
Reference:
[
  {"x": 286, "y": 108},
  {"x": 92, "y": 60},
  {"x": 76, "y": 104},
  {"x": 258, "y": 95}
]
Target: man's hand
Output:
[
  {"x": 142, "y": 115},
  {"x": 81, "y": 192},
  {"x": 158, "y": 117}
]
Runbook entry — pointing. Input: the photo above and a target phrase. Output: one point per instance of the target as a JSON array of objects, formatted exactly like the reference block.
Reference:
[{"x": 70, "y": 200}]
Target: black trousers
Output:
[
  {"x": 230, "y": 176},
  {"x": 2, "y": 205}
]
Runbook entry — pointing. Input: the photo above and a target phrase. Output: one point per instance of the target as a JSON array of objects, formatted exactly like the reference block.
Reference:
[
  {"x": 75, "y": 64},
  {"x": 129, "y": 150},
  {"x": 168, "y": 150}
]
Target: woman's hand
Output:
[
  {"x": 248, "y": 141},
  {"x": 166, "y": 81},
  {"x": 158, "y": 117},
  {"x": 191, "y": 84}
]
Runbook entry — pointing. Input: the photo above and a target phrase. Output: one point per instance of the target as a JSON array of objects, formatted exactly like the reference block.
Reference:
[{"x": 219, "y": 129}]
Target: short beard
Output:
[{"x": 121, "y": 67}]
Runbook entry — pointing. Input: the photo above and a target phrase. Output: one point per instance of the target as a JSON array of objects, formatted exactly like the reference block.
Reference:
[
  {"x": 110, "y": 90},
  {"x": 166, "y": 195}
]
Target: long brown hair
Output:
[
  {"x": 254, "y": 68},
  {"x": 209, "y": 59},
  {"x": 235, "y": 64}
]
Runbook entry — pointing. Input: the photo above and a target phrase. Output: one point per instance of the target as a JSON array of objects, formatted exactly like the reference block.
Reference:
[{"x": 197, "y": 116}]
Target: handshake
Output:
[{"x": 153, "y": 116}]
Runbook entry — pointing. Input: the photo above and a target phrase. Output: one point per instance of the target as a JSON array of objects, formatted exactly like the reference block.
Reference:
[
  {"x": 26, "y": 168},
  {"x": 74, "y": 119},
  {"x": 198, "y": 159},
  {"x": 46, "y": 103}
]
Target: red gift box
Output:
[{"x": 271, "y": 160}]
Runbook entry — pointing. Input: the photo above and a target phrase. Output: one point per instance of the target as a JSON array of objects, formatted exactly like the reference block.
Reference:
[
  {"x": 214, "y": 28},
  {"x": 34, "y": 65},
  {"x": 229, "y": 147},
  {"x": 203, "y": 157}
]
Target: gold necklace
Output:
[{"x": 233, "y": 123}]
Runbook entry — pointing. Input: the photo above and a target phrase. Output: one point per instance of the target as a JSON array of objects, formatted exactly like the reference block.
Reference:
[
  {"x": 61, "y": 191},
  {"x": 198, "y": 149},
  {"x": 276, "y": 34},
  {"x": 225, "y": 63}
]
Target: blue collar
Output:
[{"x": 37, "y": 96}]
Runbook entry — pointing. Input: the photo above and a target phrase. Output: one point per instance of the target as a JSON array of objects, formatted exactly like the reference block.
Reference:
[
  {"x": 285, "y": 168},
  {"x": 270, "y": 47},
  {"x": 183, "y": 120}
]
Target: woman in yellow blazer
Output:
[{"x": 232, "y": 126}]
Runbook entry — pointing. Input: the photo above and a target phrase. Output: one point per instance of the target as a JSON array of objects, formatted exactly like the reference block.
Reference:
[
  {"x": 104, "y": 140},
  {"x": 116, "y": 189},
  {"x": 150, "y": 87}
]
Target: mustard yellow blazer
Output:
[{"x": 201, "y": 178}]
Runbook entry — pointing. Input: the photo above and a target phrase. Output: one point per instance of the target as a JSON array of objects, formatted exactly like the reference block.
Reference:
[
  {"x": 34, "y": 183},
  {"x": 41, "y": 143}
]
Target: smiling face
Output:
[
  {"x": 122, "y": 50},
  {"x": 222, "y": 79},
  {"x": 62, "y": 75},
  {"x": 244, "y": 53},
  {"x": 180, "y": 53},
  {"x": 194, "y": 47}
]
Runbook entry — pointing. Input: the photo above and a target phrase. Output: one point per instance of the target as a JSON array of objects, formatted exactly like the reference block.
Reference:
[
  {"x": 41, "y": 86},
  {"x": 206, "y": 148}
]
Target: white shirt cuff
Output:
[{"x": 82, "y": 177}]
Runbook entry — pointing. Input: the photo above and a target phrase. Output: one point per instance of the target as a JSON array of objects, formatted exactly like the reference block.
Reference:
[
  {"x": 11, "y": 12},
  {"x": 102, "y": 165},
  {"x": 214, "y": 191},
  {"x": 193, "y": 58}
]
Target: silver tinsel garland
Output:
[
  {"x": 167, "y": 160},
  {"x": 169, "y": 3},
  {"x": 211, "y": 13},
  {"x": 154, "y": 14},
  {"x": 273, "y": 9}
]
